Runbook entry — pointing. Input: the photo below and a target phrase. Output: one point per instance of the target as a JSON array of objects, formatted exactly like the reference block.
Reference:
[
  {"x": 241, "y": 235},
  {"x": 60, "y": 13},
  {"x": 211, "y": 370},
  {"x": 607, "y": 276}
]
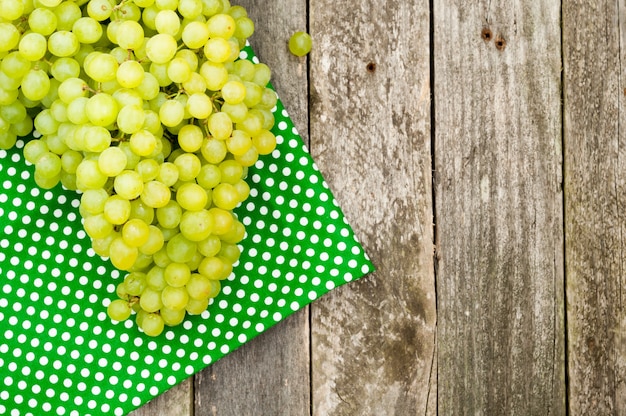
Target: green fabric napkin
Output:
[{"x": 60, "y": 353}]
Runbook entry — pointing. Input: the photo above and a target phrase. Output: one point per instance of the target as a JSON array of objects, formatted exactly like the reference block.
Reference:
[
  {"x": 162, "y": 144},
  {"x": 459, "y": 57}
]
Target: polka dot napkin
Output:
[{"x": 59, "y": 352}]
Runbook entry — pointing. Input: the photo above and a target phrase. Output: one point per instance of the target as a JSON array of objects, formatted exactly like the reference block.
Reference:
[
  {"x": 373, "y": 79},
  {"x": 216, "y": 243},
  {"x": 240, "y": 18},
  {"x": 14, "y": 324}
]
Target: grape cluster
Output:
[{"x": 145, "y": 109}]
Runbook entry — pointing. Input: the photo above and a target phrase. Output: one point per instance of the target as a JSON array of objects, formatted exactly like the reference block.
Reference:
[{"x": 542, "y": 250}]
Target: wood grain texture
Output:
[
  {"x": 270, "y": 374},
  {"x": 499, "y": 208},
  {"x": 595, "y": 184},
  {"x": 373, "y": 340}
]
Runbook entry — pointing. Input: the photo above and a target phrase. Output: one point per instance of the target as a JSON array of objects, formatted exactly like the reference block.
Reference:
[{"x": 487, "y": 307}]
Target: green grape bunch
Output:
[{"x": 144, "y": 108}]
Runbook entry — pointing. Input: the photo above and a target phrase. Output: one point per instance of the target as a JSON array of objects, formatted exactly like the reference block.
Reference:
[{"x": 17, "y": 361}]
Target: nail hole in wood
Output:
[
  {"x": 500, "y": 43},
  {"x": 486, "y": 34},
  {"x": 371, "y": 67}
]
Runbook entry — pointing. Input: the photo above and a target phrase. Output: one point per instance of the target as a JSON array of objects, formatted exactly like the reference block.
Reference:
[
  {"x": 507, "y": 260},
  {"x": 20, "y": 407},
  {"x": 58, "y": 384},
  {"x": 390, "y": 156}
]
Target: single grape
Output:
[
  {"x": 119, "y": 310},
  {"x": 300, "y": 43}
]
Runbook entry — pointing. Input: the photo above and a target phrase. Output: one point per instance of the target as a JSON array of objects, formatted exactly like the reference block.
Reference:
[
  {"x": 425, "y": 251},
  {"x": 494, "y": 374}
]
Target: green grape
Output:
[
  {"x": 200, "y": 287},
  {"x": 67, "y": 13},
  {"x": 209, "y": 176},
  {"x": 148, "y": 169},
  {"x": 152, "y": 324},
  {"x": 155, "y": 194},
  {"x": 239, "y": 143},
  {"x": 130, "y": 74},
  {"x": 45, "y": 123},
  {"x": 264, "y": 142},
  {"x": 63, "y": 43},
  {"x": 135, "y": 232},
  {"x": 214, "y": 268},
  {"x": 8, "y": 97},
  {"x": 34, "y": 149},
  {"x": 169, "y": 215},
  {"x": 128, "y": 185},
  {"x": 230, "y": 172},
  {"x": 188, "y": 165},
  {"x": 221, "y": 26},
  {"x": 177, "y": 274},
  {"x": 174, "y": 298},
  {"x": 70, "y": 161},
  {"x": 117, "y": 210},
  {"x": 236, "y": 233},
  {"x": 180, "y": 249},
  {"x": 93, "y": 200},
  {"x": 76, "y": 111},
  {"x": 249, "y": 158},
  {"x": 222, "y": 220},
  {"x": 87, "y": 30},
  {"x": 97, "y": 226},
  {"x": 14, "y": 112},
  {"x": 168, "y": 22},
  {"x": 300, "y": 43},
  {"x": 35, "y": 84},
  {"x": 196, "y": 225},
  {"x": 171, "y": 113},
  {"x": 98, "y": 139},
  {"x": 190, "y": 9},
  {"x": 112, "y": 161},
  {"x": 15, "y": 65},
  {"x": 225, "y": 196},
  {"x": 166, "y": 4},
  {"x": 58, "y": 112},
  {"x": 129, "y": 35},
  {"x": 141, "y": 211},
  {"x": 178, "y": 70},
  {"x": 196, "y": 307},
  {"x": 11, "y": 10},
  {"x": 150, "y": 300},
  {"x": 102, "y": 109},
  {"x": 130, "y": 119},
  {"x": 210, "y": 246},
  {"x": 142, "y": 142},
  {"x": 196, "y": 85},
  {"x": 215, "y": 75},
  {"x": 155, "y": 278},
  {"x": 99, "y": 9},
  {"x": 168, "y": 174},
  {"x": 217, "y": 50},
  {"x": 72, "y": 88},
  {"x": 172, "y": 317},
  {"x": 190, "y": 138},
  {"x": 191, "y": 196},
  {"x": 119, "y": 310},
  {"x": 161, "y": 48},
  {"x": 48, "y": 165},
  {"x": 42, "y": 20},
  {"x": 155, "y": 242},
  {"x": 199, "y": 106},
  {"x": 123, "y": 256},
  {"x": 101, "y": 67}
]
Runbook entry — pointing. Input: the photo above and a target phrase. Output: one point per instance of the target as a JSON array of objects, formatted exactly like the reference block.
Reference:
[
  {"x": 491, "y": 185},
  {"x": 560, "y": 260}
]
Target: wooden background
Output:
[{"x": 477, "y": 149}]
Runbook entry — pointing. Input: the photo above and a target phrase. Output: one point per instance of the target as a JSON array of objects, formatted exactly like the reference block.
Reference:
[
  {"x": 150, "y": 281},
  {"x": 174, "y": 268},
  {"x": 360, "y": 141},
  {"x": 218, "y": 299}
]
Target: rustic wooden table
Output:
[{"x": 477, "y": 148}]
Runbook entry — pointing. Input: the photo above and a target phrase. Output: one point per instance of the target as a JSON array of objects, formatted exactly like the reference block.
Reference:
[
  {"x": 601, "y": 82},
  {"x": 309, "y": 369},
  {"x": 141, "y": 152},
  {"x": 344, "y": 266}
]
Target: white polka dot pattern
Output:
[{"x": 60, "y": 353}]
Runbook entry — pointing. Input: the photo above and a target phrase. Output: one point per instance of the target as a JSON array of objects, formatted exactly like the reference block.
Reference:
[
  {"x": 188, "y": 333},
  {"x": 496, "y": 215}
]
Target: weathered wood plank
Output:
[
  {"x": 265, "y": 377},
  {"x": 499, "y": 208},
  {"x": 270, "y": 374},
  {"x": 373, "y": 340},
  {"x": 595, "y": 183}
]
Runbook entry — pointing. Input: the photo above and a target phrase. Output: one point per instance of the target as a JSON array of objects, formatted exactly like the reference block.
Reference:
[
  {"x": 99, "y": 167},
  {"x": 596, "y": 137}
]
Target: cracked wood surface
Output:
[{"x": 527, "y": 192}]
